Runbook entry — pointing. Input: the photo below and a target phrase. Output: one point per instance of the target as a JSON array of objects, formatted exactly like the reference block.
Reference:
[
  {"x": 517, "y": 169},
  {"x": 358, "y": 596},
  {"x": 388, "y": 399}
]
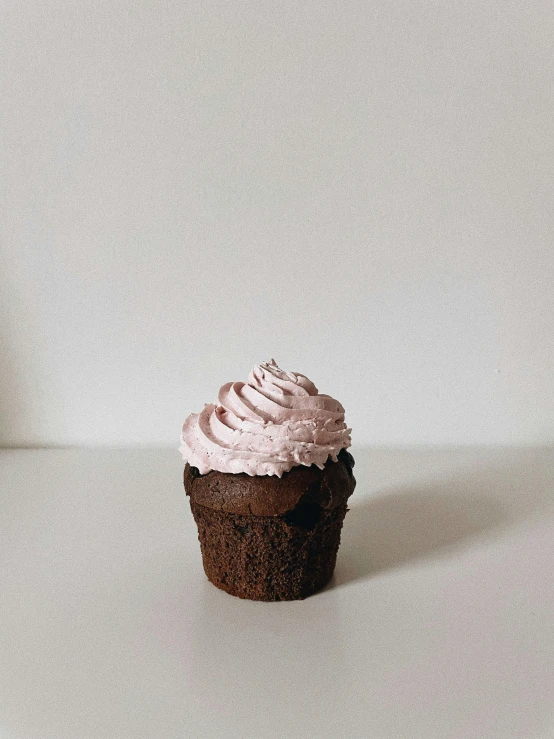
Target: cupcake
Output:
[{"x": 268, "y": 478}]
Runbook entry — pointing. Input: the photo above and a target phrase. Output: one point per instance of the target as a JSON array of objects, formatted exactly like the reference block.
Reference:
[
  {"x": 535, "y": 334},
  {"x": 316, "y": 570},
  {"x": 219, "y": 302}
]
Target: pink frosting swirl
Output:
[{"x": 275, "y": 421}]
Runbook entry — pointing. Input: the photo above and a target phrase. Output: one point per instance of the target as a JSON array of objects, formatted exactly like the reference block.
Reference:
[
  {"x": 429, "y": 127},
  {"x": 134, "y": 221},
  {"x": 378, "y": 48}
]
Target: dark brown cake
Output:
[{"x": 270, "y": 538}]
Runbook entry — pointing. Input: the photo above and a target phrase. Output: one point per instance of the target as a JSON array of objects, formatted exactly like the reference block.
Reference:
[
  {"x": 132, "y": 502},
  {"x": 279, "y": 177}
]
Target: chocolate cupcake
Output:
[{"x": 268, "y": 477}]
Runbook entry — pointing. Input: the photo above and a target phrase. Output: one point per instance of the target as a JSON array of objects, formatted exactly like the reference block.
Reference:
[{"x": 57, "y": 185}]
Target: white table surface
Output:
[{"x": 439, "y": 621}]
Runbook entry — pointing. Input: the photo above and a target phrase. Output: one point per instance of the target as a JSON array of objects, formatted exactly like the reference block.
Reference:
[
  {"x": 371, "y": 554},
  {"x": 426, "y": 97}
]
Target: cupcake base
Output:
[{"x": 270, "y": 558}]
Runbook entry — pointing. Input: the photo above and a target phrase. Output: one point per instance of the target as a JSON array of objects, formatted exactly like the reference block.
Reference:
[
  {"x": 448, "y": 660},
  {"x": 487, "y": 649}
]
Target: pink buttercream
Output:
[{"x": 276, "y": 421}]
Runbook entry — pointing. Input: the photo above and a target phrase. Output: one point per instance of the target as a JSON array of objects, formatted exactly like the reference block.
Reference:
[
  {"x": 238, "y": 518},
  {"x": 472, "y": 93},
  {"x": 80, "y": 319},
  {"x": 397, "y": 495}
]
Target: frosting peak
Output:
[
  {"x": 268, "y": 375},
  {"x": 275, "y": 421}
]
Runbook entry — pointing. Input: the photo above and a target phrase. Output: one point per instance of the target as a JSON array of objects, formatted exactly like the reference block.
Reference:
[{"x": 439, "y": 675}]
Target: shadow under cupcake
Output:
[{"x": 268, "y": 477}]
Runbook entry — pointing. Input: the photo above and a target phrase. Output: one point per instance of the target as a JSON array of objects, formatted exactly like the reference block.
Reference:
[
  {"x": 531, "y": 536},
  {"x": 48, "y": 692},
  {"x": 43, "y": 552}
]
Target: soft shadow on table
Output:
[{"x": 434, "y": 519}]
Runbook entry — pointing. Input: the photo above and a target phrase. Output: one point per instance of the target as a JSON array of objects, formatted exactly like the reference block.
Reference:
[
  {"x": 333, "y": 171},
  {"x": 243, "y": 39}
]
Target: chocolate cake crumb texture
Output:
[{"x": 265, "y": 538}]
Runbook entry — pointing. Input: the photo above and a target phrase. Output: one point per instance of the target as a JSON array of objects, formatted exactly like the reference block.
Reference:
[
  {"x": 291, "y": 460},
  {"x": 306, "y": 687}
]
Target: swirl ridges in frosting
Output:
[{"x": 267, "y": 426}]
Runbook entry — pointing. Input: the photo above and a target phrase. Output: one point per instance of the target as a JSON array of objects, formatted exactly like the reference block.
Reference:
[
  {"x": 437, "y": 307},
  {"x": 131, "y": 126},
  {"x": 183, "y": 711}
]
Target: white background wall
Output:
[{"x": 363, "y": 190}]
